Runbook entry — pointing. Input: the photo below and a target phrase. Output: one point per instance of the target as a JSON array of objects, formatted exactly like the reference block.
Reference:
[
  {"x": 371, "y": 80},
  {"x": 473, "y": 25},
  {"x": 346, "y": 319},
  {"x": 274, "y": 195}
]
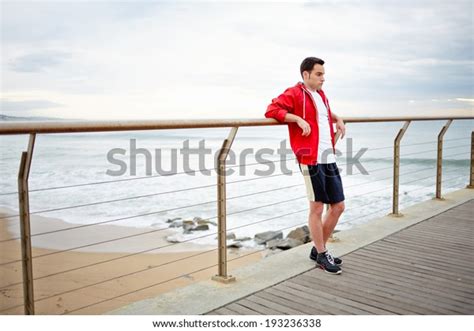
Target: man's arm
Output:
[
  {"x": 282, "y": 108},
  {"x": 335, "y": 118},
  {"x": 340, "y": 127},
  {"x": 301, "y": 123}
]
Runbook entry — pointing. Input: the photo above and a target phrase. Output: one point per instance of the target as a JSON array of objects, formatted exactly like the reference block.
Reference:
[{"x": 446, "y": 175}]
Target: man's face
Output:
[{"x": 314, "y": 79}]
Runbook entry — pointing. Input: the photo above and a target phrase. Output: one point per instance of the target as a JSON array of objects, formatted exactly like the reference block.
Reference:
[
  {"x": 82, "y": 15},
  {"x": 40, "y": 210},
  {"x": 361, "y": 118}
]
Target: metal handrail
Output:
[
  {"x": 34, "y": 128},
  {"x": 104, "y": 126}
]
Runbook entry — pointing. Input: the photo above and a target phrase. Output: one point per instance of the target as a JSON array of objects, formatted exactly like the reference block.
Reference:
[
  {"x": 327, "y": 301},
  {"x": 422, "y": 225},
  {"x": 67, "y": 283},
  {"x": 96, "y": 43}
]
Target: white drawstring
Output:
[{"x": 304, "y": 105}]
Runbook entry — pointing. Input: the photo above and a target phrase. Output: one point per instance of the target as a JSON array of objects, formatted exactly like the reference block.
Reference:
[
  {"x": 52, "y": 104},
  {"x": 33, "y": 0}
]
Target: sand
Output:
[{"x": 102, "y": 286}]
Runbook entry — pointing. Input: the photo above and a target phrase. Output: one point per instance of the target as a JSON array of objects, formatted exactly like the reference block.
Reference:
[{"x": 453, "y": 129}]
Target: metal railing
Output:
[{"x": 33, "y": 129}]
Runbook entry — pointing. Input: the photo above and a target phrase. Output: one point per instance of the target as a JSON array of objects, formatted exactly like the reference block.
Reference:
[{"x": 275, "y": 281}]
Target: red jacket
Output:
[{"x": 299, "y": 101}]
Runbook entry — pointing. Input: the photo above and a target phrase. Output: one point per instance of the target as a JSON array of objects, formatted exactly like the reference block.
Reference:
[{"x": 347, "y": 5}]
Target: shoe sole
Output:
[
  {"x": 330, "y": 272},
  {"x": 317, "y": 261}
]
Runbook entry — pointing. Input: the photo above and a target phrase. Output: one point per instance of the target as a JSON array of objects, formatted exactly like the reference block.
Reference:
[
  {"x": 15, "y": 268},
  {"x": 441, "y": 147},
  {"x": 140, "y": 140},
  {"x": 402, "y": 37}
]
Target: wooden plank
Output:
[
  {"x": 452, "y": 224},
  {"x": 300, "y": 308},
  {"x": 441, "y": 232},
  {"x": 418, "y": 260},
  {"x": 431, "y": 281},
  {"x": 427, "y": 295},
  {"x": 400, "y": 274},
  {"x": 214, "y": 312},
  {"x": 368, "y": 294},
  {"x": 447, "y": 218},
  {"x": 386, "y": 259},
  {"x": 241, "y": 310},
  {"x": 458, "y": 213},
  {"x": 293, "y": 297},
  {"x": 429, "y": 256},
  {"x": 338, "y": 305},
  {"x": 415, "y": 245},
  {"x": 444, "y": 220},
  {"x": 314, "y": 301},
  {"x": 446, "y": 236},
  {"x": 383, "y": 258},
  {"x": 223, "y": 311},
  {"x": 462, "y": 208},
  {"x": 453, "y": 243},
  {"x": 258, "y": 308},
  {"x": 430, "y": 239},
  {"x": 421, "y": 304},
  {"x": 273, "y": 305},
  {"x": 427, "y": 246},
  {"x": 347, "y": 296}
]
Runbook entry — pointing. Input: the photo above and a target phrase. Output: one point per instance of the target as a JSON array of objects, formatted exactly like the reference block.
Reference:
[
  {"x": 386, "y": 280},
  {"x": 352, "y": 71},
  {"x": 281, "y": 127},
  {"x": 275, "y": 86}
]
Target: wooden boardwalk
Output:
[{"x": 424, "y": 269}]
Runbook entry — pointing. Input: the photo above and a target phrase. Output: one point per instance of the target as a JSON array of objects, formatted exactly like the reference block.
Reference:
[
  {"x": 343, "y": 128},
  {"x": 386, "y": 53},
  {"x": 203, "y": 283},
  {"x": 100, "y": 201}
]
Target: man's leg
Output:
[
  {"x": 316, "y": 225},
  {"x": 330, "y": 220},
  {"x": 323, "y": 260}
]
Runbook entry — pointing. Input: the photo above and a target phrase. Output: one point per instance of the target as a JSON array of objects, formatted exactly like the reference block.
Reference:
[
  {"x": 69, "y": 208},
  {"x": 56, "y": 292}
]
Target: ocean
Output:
[{"x": 94, "y": 178}]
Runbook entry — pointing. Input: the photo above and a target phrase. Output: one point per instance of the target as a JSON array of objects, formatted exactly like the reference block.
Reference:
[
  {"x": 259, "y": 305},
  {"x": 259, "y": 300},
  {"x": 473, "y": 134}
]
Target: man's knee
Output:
[
  {"x": 316, "y": 207},
  {"x": 338, "y": 208}
]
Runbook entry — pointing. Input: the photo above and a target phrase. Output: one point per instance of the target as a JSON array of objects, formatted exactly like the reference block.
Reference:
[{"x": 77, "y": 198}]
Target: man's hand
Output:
[
  {"x": 340, "y": 127},
  {"x": 304, "y": 126}
]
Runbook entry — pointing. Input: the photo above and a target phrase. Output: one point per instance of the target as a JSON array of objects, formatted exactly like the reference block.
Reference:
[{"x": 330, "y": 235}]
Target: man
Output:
[{"x": 310, "y": 124}]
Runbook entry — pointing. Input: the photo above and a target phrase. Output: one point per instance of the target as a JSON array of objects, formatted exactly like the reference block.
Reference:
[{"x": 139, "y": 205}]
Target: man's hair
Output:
[{"x": 308, "y": 64}]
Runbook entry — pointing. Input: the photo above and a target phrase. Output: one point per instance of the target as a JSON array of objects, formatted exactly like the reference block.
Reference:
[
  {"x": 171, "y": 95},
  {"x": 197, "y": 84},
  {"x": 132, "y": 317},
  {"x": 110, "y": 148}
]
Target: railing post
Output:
[
  {"x": 439, "y": 159},
  {"x": 221, "y": 210},
  {"x": 396, "y": 169},
  {"x": 24, "y": 204},
  {"x": 471, "y": 176}
]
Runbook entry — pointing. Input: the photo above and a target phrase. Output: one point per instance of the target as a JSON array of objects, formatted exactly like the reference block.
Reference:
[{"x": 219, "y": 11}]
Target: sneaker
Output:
[
  {"x": 314, "y": 255},
  {"x": 326, "y": 262}
]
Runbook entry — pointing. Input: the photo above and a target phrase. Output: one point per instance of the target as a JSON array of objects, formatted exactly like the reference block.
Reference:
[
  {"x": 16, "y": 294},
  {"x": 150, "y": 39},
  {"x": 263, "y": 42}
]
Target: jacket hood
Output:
[{"x": 304, "y": 89}]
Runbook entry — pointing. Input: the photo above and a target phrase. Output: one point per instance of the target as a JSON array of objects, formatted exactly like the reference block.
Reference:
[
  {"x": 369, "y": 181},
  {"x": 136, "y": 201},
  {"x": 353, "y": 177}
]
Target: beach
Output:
[{"x": 68, "y": 292}]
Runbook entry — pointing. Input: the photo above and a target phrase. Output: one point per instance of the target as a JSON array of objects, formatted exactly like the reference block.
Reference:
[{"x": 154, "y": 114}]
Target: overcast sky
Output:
[{"x": 162, "y": 60}]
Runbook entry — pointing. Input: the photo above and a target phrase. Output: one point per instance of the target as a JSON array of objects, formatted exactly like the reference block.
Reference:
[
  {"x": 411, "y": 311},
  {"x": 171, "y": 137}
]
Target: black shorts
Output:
[{"x": 323, "y": 182}]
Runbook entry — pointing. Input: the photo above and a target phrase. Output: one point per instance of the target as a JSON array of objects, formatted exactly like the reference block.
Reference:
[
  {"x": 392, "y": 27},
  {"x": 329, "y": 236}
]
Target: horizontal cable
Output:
[
  {"x": 147, "y": 195},
  {"x": 121, "y": 219},
  {"x": 186, "y": 172},
  {"x": 147, "y": 287},
  {"x": 452, "y": 139},
  {"x": 142, "y": 177},
  {"x": 237, "y": 227},
  {"x": 362, "y": 216},
  {"x": 146, "y": 232},
  {"x": 424, "y": 187},
  {"x": 432, "y": 177},
  {"x": 390, "y": 177},
  {"x": 155, "y": 248},
  {"x": 450, "y": 179},
  {"x": 162, "y": 282},
  {"x": 457, "y": 154},
  {"x": 148, "y": 250},
  {"x": 156, "y": 230},
  {"x": 177, "y": 261},
  {"x": 433, "y": 150}
]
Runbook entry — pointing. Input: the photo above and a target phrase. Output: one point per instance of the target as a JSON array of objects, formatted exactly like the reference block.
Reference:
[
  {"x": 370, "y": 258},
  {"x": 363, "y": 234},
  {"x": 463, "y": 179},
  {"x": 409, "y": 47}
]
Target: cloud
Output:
[
  {"x": 465, "y": 100},
  {"x": 36, "y": 62},
  {"x": 26, "y": 105},
  {"x": 117, "y": 60}
]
